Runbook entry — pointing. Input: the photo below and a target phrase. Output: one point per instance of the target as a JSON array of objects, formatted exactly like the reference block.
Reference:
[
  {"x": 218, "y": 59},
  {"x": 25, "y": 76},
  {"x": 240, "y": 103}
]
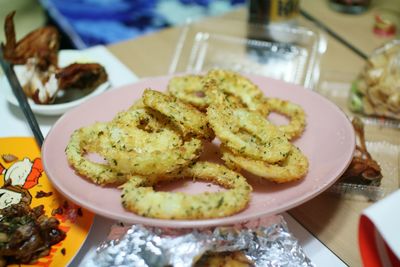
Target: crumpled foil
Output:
[{"x": 265, "y": 242}]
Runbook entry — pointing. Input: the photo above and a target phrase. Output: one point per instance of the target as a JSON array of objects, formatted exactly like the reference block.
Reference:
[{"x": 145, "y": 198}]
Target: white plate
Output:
[{"x": 65, "y": 58}]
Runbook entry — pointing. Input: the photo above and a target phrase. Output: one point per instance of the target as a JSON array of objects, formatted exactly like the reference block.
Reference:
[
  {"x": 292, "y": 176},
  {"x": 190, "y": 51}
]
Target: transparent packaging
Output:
[
  {"x": 290, "y": 53},
  {"x": 388, "y": 157},
  {"x": 381, "y": 138},
  {"x": 337, "y": 86},
  {"x": 376, "y": 90}
]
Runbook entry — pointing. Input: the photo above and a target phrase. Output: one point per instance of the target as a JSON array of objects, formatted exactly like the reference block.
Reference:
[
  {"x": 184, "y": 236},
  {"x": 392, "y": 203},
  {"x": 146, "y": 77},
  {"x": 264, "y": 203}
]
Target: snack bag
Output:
[{"x": 376, "y": 91}]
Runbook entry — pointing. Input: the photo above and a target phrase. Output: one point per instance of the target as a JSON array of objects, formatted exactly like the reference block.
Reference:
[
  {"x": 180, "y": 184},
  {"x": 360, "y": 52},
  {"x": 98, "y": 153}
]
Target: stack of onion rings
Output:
[{"x": 160, "y": 138}]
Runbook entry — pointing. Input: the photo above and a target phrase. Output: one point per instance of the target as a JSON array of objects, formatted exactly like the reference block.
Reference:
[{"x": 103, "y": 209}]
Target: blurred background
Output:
[{"x": 85, "y": 23}]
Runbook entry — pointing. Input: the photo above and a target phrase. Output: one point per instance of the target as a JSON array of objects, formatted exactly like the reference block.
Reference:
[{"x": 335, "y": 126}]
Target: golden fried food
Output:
[
  {"x": 154, "y": 162},
  {"x": 139, "y": 196},
  {"x": 191, "y": 121},
  {"x": 224, "y": 259},
  {"x": 142, "y": 141},
  {"x": 293, "y": 111},
  {"x": 247, "y": 133},
  {"x": 234, "y": 84},
  {"x": 86, "y": 140},
  {"x": 133, "y": 142},
  {"x": 160, "y": 138},
  {"x": 143, "y": 130},
  {"x": 189, "y": 89},
  {"x": 293, "y": 167}
]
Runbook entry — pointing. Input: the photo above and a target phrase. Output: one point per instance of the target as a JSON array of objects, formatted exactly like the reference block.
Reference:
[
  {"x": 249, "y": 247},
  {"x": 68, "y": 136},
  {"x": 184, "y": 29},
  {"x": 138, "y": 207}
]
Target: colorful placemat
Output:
[{"x": 21, "y": 164}]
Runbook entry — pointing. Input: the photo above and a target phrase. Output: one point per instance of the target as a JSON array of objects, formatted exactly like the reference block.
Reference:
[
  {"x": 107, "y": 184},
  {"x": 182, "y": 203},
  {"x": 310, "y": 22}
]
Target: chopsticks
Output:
[{"x": 21, "y": 97}]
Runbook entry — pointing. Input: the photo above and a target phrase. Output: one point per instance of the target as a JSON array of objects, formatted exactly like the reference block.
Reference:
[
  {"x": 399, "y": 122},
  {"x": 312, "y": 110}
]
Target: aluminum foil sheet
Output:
[{"x": 265, "y": 242}]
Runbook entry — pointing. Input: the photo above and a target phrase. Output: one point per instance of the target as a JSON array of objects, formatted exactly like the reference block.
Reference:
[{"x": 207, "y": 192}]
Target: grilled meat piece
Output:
[
  {"x": 81, "y": 76},
  {"x": 363, "y": 169},
  {"x": 27, "y": 234},
  {"x": 42, "y": 44}
]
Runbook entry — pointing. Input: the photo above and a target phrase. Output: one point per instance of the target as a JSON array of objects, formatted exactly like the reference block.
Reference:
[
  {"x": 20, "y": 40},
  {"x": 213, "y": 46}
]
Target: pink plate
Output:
[{"x": 328, "y": 142}]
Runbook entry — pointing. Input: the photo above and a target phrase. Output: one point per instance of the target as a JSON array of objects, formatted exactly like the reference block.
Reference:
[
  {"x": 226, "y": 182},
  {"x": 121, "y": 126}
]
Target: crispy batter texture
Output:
[
  {"x": 293, "y": 111},
  {"x": 293, "y": 167},
  {"x": 139, "y": 196},
  {"x": 143, "y": 141},
  {"x": 160, "y": 138},
  {"x": 234, "y": 84},
  {"x": 154, "y": 162},
  {"x": 189, "y": 89},
  {"x": 247, "y": 133},
  {"x": 85, "y": 140},
  {"x": 134, "y": 142},
  {"x": 191, "y": 121}
]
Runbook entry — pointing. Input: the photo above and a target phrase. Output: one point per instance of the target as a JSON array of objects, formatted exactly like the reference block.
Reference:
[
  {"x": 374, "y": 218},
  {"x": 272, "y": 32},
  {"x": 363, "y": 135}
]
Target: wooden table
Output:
[{"x": 332, "y": 219}]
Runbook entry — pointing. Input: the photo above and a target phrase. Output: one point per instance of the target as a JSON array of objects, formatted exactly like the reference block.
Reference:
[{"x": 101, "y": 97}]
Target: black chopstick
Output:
[
  {"x": 333, "y": 34},
  {"x": 21, "y": 97}
]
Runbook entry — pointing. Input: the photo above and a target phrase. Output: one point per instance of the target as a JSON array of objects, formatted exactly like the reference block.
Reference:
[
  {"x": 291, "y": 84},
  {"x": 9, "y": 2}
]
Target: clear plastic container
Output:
[
  {"x": 291, "y": 54},
  {"x": 337, "y": 86},
  {"x": 388, "y": 157},
  {"x": 381, "y": 135},
  {"x": 376, "y": 90}
]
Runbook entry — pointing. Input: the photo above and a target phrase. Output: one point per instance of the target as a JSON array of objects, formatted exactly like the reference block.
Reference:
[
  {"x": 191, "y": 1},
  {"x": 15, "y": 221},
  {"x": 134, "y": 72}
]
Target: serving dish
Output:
[
  {"x": 64, "y": 101},
  {"x": 328, "y": 146}
]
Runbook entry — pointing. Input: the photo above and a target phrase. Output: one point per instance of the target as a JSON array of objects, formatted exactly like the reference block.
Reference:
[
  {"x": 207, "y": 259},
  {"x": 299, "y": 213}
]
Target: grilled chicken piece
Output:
[
  {"x": 81, "y": 76},
  {"x": 42, "y": 44}
]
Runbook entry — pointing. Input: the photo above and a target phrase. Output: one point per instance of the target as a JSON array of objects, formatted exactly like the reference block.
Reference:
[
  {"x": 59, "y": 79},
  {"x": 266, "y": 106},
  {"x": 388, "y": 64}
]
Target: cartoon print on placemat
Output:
[
  {"x": 20, "y": 176},
  {"x": 23, "y": 181},
  {"x": 24, "y": 173}
]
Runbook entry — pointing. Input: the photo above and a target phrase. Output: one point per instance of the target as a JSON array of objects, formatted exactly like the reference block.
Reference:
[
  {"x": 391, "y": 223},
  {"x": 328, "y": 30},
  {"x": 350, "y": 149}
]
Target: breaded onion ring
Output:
[
  {"x": 142, "y": 141},
  {"x": 247, "y": 133},
  {"x": 154, "y": 162},
  {"x": 243, "y": 89},
  {"x": 86, "y": 140},
  {"x": 139, "y": 196},
  {"x": 189, "y": 89},
  {"x": 293, "y": 111},
  {"x": 293, "y": 167},
  {"x": 191, "y": 121}
]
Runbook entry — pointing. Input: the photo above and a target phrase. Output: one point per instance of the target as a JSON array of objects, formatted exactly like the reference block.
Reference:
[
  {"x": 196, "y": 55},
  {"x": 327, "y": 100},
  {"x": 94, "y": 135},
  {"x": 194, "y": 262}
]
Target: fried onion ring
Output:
[
  {"x": 85, "y": 140},
  {"x": 139, "y": 197},
  {"x": 154, "y": 162},
  {"x": 295, "y": 113},
  {"x": 243, "y": 89},
  {"x": 247, "y": 133},
  {"x": 191, "y": 121},
  {"x": 293, "y": 167},
  {"x": 140, "y": 142},
  {"x": 189, "y": 89}
]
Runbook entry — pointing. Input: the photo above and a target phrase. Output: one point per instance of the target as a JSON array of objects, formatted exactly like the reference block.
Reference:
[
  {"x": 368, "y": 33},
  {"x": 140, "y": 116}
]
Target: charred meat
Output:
[
  {"x": 26, "y": 234},
  {"x": 42, "y": 44},
  {"x": 81, "y": 76}
]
